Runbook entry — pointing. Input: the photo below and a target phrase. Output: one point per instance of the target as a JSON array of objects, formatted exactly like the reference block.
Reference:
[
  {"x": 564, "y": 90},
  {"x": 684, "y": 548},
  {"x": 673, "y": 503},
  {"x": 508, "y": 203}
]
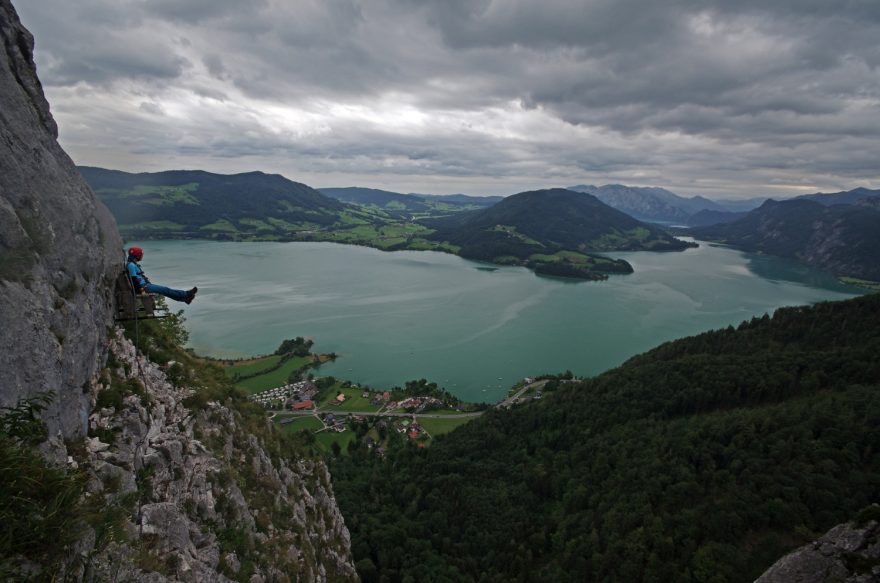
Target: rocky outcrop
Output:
[
  {"x": 59, "y": 249},
  {"x": 196, "y": 496},
  {"x": 846, "y": 554}
]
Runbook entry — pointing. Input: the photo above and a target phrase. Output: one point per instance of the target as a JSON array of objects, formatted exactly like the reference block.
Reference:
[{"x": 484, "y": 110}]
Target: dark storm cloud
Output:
[
  {"x": 87, "y": 42},
  {"x": 678, "y": 92},
  {"x": 617, "y": 63},
  {"x": 128, "y": 61}
]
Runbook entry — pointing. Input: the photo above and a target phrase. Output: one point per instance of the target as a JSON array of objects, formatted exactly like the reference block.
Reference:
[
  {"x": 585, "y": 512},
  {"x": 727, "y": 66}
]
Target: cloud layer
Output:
[{"x": 716, "y": 98}]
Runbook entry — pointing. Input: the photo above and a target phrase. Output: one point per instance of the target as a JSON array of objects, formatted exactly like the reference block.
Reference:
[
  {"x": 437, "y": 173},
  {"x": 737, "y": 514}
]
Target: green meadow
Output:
[
  {"x": 272, "y": 378},
  {"x": 437, "y": 427}
]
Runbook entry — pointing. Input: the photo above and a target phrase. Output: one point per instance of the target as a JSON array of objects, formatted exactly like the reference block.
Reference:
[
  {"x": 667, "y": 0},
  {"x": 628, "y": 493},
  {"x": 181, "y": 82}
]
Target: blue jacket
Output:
[{"x": 136, "y": 274}]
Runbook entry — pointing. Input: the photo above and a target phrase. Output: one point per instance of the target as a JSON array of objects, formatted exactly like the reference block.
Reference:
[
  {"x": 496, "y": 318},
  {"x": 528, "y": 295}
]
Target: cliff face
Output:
[
  {"x": 198, "y": 497},
  {"x": 168, "y": 492},
  {"x": 59, "y": 250}
]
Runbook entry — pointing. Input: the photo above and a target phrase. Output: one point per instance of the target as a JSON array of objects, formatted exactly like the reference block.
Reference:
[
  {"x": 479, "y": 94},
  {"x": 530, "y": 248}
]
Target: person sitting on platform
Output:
[{"x": 142, "y": 284}]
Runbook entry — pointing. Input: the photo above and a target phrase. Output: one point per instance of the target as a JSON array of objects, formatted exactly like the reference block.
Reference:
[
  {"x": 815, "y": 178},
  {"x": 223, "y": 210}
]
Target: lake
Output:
[{"x": 472, "y": 328}]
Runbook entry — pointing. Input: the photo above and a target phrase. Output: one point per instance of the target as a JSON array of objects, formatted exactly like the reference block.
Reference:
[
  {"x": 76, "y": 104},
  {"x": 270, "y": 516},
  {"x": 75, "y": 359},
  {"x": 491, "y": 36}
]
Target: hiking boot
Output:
[{"x": 191, "y": 294}]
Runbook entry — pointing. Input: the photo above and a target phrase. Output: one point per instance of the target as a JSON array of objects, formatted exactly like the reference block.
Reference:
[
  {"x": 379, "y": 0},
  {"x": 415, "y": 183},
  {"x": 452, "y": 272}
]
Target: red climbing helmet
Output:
[{"x": 136, "y": 252}]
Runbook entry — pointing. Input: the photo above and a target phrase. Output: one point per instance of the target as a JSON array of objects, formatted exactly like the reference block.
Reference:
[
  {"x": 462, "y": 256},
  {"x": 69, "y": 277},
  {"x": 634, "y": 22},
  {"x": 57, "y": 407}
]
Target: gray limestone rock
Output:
[
  {"x": 175, "y": 479},
  {"x": 845, "y": 554},
  {"x": 59, "y": 250},
  {"x": 185, "y": 501},
  {"x": 168, "y": 524}
]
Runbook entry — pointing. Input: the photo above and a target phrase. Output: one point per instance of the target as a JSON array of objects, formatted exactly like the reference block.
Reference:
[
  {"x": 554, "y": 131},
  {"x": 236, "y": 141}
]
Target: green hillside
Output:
[
  {"x": 407, "y": 206},
  {"x": 191, "y": 203},
  {"x": 530, "y": 222},
  {"x": 254, "y": 206},
  {"x": 258, "y": 206},
  {"x": 553, "y": 231},
  {"x": 391, "y": 202},
  {"x": 705, "y": 459}
]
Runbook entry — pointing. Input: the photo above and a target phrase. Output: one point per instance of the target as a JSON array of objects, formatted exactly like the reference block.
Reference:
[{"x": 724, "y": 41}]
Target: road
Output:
[
  {"x": 510, "y": 400},
  {"x": 505, "y": 403},
  {"x": 381, "y": 414}
]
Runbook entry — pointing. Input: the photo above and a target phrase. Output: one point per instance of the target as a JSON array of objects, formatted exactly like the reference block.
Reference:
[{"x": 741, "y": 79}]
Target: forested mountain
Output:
[
  {"x": 546, "y": 221},
  {"x": 845, "y": 197},
  {"x": 705, "y": 459},
  {"x": 203, "y": 204},
  {"x": 648, "y": 203},
  {"x": 842, "y": 239},
  {"x": 828, "y": 199}
]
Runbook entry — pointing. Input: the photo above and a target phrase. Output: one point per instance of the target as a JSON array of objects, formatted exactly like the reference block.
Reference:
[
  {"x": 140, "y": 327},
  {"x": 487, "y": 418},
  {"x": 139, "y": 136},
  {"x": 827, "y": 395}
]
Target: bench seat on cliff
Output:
[{"x": 131, "y": 305}]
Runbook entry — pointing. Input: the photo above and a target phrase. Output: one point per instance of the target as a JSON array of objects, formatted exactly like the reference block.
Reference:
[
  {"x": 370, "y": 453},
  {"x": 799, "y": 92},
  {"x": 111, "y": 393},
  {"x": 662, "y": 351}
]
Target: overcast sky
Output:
[{"x": 715, "y": 97}]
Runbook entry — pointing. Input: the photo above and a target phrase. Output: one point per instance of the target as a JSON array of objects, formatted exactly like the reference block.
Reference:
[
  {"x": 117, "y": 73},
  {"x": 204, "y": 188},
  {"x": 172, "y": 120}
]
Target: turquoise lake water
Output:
[{"x": 472, "y": 328}]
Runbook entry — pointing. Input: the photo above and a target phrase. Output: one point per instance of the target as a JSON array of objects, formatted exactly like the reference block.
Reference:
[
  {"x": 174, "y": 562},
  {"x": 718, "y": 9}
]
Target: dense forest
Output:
[{"x": 705, "y": 459}]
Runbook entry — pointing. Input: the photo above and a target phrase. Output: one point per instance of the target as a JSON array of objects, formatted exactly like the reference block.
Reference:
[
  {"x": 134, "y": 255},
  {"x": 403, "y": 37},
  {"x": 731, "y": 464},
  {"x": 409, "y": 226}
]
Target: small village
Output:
[
  {"x": 302, "y": 398},
  {"x": 336, "y": 412}
]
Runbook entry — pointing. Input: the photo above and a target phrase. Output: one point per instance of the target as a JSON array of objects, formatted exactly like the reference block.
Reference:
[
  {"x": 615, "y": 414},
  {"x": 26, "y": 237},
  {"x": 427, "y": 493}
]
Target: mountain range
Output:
[
  {"x": 649, "y": 203},
  {"x": 836, "y": 232},
  {"x": 842, "y": 239},
  {"x": 660, "y": 205},
  {"x": 552, "y": 232},
  {"x": 845, "y": 197}
]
